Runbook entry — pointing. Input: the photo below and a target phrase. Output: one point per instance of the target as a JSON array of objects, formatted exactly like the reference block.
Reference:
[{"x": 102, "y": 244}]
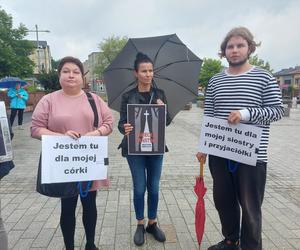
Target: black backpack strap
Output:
[{"x": 94, "y": 108}]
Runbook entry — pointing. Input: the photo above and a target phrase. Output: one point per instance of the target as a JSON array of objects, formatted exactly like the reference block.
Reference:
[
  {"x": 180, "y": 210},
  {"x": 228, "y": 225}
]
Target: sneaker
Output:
[
  {"x": 20, "y": 127},
  {"x": 226, "y": 245},
  {"x": 157, "y": 233},
  {"x": 139, "y": 237}
]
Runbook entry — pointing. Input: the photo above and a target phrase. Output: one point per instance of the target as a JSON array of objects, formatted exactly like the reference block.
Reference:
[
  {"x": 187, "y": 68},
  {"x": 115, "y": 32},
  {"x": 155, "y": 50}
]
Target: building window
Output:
[
  {"x": 297, "y": 81},
  {"x": 287, "y": 81}
]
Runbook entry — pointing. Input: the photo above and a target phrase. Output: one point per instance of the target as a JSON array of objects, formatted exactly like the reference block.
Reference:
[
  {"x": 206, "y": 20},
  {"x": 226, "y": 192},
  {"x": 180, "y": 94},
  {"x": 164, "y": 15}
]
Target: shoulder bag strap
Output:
[{"x": 94, "y": 108}]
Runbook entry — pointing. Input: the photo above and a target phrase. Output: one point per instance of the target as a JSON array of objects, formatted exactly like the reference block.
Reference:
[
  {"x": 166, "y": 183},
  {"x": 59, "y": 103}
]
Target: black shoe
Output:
[
  {"x": 139, "y": 237},
  {"x": 91, "y": 247},
  {"x": 156, "y": 232},
  {"x": 226, "y": 245}
]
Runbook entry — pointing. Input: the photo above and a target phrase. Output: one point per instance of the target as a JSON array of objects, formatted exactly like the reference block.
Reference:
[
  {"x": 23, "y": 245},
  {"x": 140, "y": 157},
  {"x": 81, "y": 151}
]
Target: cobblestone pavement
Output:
[{"x": 32, "y": 220}]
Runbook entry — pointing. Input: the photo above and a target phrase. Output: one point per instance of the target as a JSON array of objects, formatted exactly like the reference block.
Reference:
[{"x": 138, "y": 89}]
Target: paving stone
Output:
[
  {"x": 13, "y": 238},
  {"x": 33, "y": 230},
  {"x": 122, "y": 241},
  {"x": 43, "y": 238},
  {"x": 107, "y": 236},
  {"x": 57, "y": 243},
  {"x": 23, "y": 244}
]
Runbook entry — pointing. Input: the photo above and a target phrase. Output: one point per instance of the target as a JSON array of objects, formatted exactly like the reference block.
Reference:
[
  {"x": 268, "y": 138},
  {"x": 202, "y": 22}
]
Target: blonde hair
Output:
[{"x": 242, "y": 32}]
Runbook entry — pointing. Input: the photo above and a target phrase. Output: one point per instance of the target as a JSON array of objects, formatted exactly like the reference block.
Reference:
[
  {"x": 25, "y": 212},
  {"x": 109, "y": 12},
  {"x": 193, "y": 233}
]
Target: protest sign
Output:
[
  {"x": 149, "y": 123},
  {"x": 238, "y": 142},
  {"x": 6, "y": 153},
  {"x": 66, "y": 160}
]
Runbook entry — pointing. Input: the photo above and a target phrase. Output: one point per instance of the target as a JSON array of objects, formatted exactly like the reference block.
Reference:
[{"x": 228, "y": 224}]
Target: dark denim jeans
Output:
[{"x": 145, "y": 172}]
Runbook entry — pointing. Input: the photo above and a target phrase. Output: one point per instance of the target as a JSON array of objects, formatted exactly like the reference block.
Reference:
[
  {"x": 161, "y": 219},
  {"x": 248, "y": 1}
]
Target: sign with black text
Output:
[
  {"x": 149, "y": 123},
  {"x": 238, "y": 142},
  {"x": 67, "y": 160}
]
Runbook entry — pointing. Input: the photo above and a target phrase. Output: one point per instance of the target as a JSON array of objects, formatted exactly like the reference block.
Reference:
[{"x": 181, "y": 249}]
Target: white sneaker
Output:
[{"x": 20, "y": 127}]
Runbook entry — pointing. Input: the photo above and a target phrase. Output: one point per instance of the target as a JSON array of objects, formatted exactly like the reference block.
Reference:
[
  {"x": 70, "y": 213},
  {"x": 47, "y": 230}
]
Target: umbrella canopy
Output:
[
  {"x": 176, "y": 70},
  {"x": 10, "y": 82},
  {"x": 200, "y": 191}
]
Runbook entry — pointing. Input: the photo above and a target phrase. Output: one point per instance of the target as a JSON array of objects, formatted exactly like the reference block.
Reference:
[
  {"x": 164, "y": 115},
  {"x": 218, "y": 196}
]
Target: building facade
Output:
[
  {"x": 289, "y": 81},
  {"x": 41, "y": 57},
  {"x": 95, "y": 84}
]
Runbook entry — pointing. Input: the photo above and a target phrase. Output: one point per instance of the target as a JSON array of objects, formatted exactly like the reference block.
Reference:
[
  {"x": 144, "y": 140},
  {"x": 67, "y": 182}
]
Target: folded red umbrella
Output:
[{"x": 200, "y": 191}]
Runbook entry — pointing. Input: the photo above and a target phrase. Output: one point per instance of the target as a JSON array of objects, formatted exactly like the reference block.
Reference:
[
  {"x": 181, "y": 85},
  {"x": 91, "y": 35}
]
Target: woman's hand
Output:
[
  {"x": 128, "y": 128},
  {"x": 93, "y": 133},
  {"x": 160, "y": 102},
  {"x": 73, "y": 134},
  {"x": 201, "y": 157}
]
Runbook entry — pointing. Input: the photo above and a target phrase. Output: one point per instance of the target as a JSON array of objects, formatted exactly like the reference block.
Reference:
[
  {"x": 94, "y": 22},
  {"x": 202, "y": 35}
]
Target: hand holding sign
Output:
[{"x": 234, "y": 117}]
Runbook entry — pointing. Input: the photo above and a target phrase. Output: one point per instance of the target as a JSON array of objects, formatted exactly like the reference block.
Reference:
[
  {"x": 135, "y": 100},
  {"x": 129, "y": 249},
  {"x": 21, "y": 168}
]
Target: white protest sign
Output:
[
  {"x": 235, "y": 142},
  {"x": 6, "y": 152},
  {"x": 67, "y": 160}
]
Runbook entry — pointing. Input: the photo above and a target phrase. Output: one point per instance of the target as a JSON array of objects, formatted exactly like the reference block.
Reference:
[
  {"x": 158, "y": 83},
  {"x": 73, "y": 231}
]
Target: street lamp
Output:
[{"x": 37, "y": 43}]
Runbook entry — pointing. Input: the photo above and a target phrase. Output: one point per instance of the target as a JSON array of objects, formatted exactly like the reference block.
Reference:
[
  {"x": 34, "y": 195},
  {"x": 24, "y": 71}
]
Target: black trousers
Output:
[
  {"x": 13, "y": 114},
  {"x": 240, "y": 190},
  {"x": 68, "y": 220}
]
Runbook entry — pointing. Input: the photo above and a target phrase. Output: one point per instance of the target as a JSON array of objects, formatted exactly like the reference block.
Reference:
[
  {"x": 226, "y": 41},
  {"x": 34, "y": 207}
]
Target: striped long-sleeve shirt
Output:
[{"x": 256, "y": 91}]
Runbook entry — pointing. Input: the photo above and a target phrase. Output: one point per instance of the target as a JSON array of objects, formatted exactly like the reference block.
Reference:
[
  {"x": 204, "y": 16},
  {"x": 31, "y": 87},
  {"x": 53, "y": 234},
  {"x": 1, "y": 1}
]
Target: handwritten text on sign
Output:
[
  {"x": 236, "y": 142},
  {"x": 65, "y": 159}
]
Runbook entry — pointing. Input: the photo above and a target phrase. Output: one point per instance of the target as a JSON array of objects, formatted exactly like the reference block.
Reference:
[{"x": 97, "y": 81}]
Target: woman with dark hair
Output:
[
  {"x": 68, "y": 112},
  {"x": 145, "y": 169}
]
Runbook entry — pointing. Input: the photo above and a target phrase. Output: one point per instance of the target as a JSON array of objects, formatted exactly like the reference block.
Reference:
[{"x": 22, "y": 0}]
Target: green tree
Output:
[
  {"x": 109, "y": 49},
  {"x": 49, "y": 80},
  {"x": 54, "y": 64},
  {"x": 254, "y": 60},
  {"x": 14, "y": 50},
  {"x": 209, "y": 68}
]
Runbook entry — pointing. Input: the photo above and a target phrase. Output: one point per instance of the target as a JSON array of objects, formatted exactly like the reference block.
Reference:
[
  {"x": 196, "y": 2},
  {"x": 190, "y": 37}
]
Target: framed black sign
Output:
[{"x": 149, "y": 123}]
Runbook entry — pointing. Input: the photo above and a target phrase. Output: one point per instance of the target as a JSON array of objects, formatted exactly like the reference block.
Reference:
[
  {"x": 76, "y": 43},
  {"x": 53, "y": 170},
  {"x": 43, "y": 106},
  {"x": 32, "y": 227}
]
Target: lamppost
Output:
[{"x": 37, "y": 44}]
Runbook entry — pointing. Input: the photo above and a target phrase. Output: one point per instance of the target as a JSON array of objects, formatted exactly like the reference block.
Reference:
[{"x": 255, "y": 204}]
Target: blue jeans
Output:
[{"x": 145, "y": 172}]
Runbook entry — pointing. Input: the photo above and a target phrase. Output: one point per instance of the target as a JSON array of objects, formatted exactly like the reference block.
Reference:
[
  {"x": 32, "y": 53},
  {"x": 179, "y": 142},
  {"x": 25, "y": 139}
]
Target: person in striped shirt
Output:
[{"x": 247, "y": 94}]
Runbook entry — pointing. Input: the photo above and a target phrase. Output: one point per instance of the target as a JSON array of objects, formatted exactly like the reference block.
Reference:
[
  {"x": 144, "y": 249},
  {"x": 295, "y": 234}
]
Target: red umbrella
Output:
[{"x": 200, "y": 191}]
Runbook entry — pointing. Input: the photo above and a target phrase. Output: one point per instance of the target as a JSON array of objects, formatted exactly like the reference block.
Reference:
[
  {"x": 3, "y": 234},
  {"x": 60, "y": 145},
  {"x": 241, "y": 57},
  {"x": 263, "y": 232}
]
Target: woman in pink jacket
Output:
[{"x": 68, "y": 112}]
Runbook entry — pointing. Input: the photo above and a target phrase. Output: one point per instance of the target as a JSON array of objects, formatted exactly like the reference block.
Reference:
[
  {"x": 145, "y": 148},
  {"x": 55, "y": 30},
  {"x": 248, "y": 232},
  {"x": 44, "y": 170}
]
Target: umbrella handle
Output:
[{"x": 201, "y": 168}]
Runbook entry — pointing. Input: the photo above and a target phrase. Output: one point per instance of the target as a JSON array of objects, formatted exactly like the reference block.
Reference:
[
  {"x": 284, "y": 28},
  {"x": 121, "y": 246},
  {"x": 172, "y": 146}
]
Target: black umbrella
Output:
[{"x": 176, "y": 70}]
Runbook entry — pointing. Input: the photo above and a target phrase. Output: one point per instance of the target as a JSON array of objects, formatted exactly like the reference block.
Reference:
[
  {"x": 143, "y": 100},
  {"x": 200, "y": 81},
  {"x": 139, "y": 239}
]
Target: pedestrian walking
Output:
[
  {"x": 145, "y": 169},
  {"x": 248, "y": 94},
  {"x": 18, "y": 98},
  {"x": 68, "y": 112}
]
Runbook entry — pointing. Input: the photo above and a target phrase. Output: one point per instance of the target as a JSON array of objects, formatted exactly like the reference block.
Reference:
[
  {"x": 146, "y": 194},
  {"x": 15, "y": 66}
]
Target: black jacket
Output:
[{"x": 134, "y": 97}]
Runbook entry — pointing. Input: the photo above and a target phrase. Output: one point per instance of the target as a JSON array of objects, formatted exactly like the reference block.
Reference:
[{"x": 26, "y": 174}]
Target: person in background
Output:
[
  {"x": 18, "y": 98},
  {"x": 68, "y": 112},
  {"x": 242, "y": 93},
  {"x": 145, "y": 169}
]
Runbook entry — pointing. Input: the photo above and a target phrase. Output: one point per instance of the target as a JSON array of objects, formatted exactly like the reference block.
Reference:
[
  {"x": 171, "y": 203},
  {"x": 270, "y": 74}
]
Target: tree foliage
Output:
[
  {"x": 14, "y": 50},
  {"x": 254, "y": 60},
  {"x": 109, "y": 49},
  {"x": 50, "y": 81},
  {"x": 209, "y": 68}
]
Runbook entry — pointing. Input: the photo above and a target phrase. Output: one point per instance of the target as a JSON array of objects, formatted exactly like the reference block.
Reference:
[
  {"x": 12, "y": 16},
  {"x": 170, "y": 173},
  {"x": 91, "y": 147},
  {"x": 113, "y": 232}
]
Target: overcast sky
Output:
[{"x": 78, "y": 26}]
